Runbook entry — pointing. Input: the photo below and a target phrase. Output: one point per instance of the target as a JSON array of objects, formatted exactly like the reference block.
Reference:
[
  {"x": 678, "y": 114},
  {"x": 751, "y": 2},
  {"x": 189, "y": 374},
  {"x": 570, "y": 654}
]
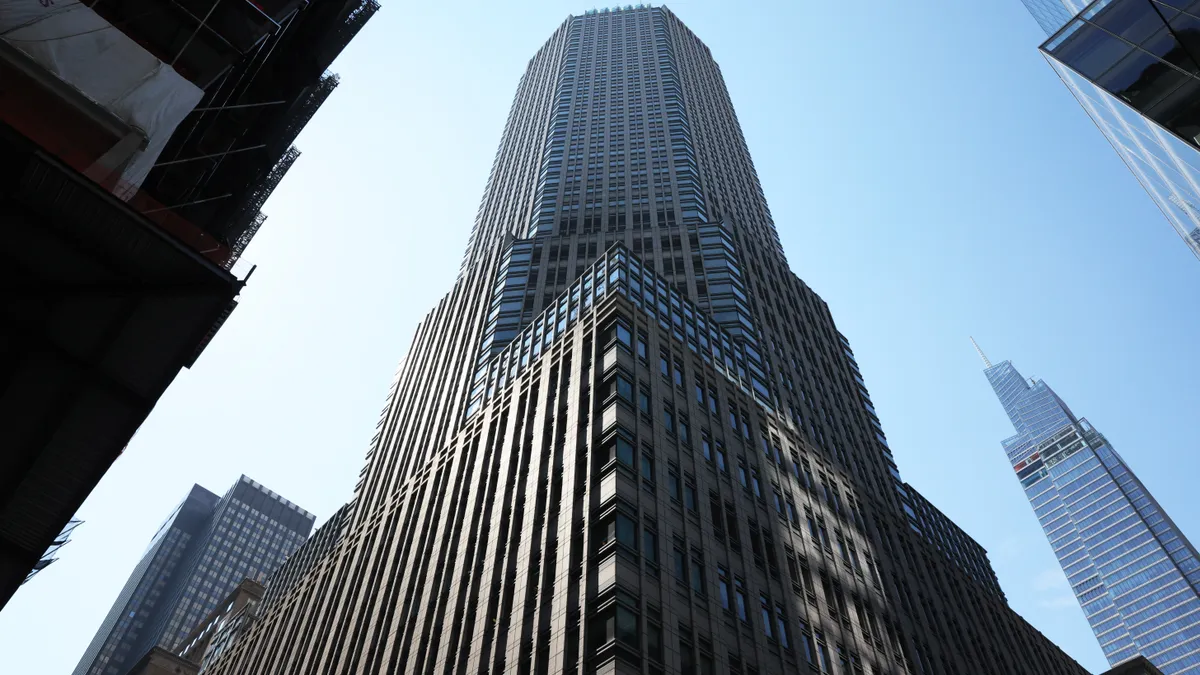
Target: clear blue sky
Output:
[{"x": 930, "y": 177}]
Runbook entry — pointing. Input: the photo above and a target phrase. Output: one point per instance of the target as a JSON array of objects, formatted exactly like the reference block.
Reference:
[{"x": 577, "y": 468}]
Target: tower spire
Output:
[{"x": 981, "y": 354}]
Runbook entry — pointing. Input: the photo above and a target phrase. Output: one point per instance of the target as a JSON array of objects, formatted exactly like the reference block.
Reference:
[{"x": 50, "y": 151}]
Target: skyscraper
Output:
[
  {"x": 138, "y": 143},
  {"x": 1134, "y": 573},
  {"x": 630, "y": 439},
  {"x": 1134, "y": 67},
  {"x": 203, "y": 550}
]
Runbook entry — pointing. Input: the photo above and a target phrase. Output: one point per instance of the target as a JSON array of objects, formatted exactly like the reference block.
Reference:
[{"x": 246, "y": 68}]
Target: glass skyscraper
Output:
[
  {"x": 1134, "y": 573},
  {"x": 203, "y": 550},
  {"x": 1132, "y": 65}
]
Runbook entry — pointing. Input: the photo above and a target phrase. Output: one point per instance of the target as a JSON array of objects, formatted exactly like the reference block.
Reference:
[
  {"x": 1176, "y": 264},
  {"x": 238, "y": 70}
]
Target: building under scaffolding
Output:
[{"x": 139, "y": 140}]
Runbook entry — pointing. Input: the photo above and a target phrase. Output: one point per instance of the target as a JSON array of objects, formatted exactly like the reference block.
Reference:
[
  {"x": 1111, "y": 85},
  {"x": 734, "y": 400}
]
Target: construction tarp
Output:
[{"x": 85, "y": 51}]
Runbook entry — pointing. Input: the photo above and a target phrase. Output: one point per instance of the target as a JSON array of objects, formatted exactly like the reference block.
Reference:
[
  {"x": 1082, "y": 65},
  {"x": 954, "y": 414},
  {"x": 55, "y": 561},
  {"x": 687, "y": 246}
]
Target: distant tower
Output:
[
  {"x": 1135, "y": 574},
  {"x": 204, "y": 549}
]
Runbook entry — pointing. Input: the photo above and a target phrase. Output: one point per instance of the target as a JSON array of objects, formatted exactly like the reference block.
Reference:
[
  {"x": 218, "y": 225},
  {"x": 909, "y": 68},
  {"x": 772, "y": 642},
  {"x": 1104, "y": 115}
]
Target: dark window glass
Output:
[
  {"x": 723, "y": 586},
  {"x": 647, "y": 467},
  {"x": 689, "y": 497},
  {"x": 1134, "y": 21},
  {"x": 650, "y": 546},
  {"x": 697, "y": 576},
  {"x": 624, "y": 451},
  {"x": 623, "y": 335},
  {"x": 626, "y": 531},
  {"x": 1090, "y": 51},
  {"x": 654, "y": 641},
  {"x": 624, "y": 388},
  {"x": 806, "y": 645},
  {"x": 627, "y": 628}
]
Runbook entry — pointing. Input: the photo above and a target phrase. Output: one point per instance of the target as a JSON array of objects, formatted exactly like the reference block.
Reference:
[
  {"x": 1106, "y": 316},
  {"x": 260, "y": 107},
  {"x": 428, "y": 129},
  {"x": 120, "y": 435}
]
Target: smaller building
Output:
[
  {"x": 222, "y": 626},
  {"x": 205, "y": 549}
]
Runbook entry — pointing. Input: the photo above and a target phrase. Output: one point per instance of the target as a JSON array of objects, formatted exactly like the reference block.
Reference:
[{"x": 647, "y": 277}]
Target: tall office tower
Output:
[
  {"x": 204, "y": 549},
  {"x": 138, "y": 142},
  {"x": 1135, "y": 574},
  {"x": 630, "y": 439},
  {"x": 1134, "y": 66}
]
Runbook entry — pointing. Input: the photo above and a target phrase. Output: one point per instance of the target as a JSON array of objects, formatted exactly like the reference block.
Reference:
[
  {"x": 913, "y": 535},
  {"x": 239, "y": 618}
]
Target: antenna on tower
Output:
[{"x": 981, "y": 354}]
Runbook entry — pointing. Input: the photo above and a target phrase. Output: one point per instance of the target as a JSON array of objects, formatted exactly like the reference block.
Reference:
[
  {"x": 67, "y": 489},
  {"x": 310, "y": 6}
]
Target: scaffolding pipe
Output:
[
  {"x": 215, "y": 154},
  {"x": 180, "y": 206},
  {"x": 239, "y": 105}
]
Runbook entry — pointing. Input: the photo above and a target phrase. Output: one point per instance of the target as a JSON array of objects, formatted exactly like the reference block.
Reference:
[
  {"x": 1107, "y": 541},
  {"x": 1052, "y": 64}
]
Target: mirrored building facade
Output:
[
  {"x": 1132, "y": 65},
  {"x": 1135, "y": 574}
]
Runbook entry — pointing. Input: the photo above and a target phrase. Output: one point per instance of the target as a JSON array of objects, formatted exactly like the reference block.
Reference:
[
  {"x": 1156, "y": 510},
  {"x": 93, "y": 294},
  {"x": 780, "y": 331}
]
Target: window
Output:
[
  {"x": 679, "y": 559},
  {"x": 754, "y": 483},
  {"x": 705, "y": 446},
  {"x": 644, "y": 401},
  {"x": 764, "y": 607},
  {"x": 806, "y": 644},
  {"x": 697, "y": 576},
  {"x": 683, "y": 428},
  {"x": 739, "y": 599},
  {"x": 781, "y": 631},
  {"x": 627, "y": 628},
  {"x": 742, "y": 474},
  {"x": 622, "y": 450},
  {"x": 723, "y": 586},
  {"x": 622, "y": 529},
  {"x": 823, "y": 654},
  {"x": 624, "y": 388},
  {"x": 650, "y": 545},
  {"x": 669, "y": 420},
  {"x": 689, "y": 496},
  {"x": 664, "y": 366},
  {"x": 647, "y": 467},
  {"x": 673, "y": 482},
  {"x": 622, "y": 334},
  {"x": 616, "y": 623},
  {"x": 641, "y": 346},
  {"x": 686, "y": 665},
  {"x": 654, "y": 641},
  {"x": 721, "y": 458},
  {"x": 699, "y": 393},
  {"x": 712, "y": 401}
]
